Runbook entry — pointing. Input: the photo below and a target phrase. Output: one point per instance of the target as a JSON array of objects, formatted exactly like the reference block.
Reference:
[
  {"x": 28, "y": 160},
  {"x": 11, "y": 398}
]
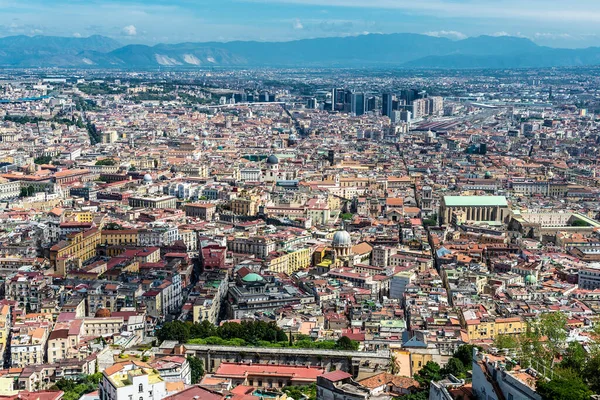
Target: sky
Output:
[{"x": 570, "y": 23}]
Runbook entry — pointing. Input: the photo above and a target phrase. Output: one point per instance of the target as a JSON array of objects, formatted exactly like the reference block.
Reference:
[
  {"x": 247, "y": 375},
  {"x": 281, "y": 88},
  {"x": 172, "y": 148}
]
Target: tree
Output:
[
  {"x": 113, "y": 226},
  {"x": 196, "y": 368},
  {"x": 176, "y": 330},
  {"x": 454, "y": 367},
  {"x": 574, "y": 358},
  {"x": 566, "y": 385},
  {"x": 553, "y": 326},
  {"x": 429, "y": 222},
  {"x": 465, "y": 354},
  {"x": 506, "y": 342},
  {"x": 106, "y": 161},
  {"x": 430, "y": 372},
  {"x": 579, "y": 223},
  {"x": 347, "y": 216},
  {"x": 42, "y": 160},
  {"x": 345, "y": 343},
  {"x": 590, "y": 373},
  {"x": 421, "y": 395}
]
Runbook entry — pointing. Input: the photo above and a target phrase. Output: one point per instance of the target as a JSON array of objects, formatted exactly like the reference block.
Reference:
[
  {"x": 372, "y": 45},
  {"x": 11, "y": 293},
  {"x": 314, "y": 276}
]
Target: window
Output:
[{"x": 141, "y": 388}]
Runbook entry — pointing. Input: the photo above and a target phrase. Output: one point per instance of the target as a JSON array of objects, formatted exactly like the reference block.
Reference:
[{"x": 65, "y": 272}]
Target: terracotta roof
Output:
[{"x": 336, "y": 376}]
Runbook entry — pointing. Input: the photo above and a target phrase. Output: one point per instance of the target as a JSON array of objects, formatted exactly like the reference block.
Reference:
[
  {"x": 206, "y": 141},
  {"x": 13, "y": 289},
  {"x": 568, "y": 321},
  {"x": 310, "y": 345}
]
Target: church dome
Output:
[
  {"x": 341, "y": 239},
  {"x": 252, "y": 277},
  {"x": 147, "y": 178},
  {"x": 272, "y": 160},
  {"x": 102, "y": 313},
  {"x": 530, "y": 280}
]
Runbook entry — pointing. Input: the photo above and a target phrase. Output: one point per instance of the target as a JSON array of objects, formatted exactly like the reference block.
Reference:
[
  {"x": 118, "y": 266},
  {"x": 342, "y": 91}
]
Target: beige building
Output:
[{"x": 477, "y": 208}]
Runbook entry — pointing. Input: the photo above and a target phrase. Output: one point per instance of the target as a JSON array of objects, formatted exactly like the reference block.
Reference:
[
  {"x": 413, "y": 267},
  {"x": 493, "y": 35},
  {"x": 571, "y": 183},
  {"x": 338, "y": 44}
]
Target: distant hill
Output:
[
  {"x": 373, "y": 50},
  {"x": 33, "y": 51}
]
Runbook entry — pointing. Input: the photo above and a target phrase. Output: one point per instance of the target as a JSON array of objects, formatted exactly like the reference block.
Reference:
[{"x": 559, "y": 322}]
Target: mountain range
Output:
[{"x": 372, "y": 50}]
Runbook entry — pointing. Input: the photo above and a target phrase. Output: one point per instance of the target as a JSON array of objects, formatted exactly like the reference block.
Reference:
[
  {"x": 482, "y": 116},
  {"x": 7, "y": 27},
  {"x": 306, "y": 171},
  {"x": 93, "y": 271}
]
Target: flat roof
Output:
[{"x": 466, "y": 201}]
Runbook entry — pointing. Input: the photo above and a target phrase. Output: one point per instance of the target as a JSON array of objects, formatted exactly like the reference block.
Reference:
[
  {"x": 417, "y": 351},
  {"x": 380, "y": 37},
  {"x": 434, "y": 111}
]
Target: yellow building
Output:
[
  {"x": 79, "y": 248},
  {"x": 291, "y": 261},
  {"x": 7, "y": 382},
  {"x": 78, "y": 216},
  {"x": 479, "y": 329},
  {"x": 4, "y": 325},
  {"x": 128, "y": 237},
  {"x": 247, "y": 205}
]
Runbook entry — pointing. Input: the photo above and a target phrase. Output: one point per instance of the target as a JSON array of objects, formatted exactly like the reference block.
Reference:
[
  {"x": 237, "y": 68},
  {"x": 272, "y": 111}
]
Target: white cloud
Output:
[
  {"x": 129, "y": 30},
  {"x": 547, "y": 35},
  {"x": 298, "y": 24},
  {"x": 447, "y": 34},
  {"x": 76, "y": 34},
  {"x": 501, "y": 33}
]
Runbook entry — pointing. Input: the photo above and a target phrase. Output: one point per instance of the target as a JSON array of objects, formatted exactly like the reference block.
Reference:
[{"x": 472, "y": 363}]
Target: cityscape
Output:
[{"x": 221, "y": 222}]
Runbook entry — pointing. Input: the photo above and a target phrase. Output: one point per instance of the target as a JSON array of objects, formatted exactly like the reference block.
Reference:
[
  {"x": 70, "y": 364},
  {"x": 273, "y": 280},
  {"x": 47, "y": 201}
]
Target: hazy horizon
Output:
[{"x": 548, "y": 23}]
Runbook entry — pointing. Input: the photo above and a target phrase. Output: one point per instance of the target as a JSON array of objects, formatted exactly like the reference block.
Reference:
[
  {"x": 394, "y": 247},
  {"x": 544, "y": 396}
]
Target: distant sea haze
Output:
[{"x": 373, "y": 50}]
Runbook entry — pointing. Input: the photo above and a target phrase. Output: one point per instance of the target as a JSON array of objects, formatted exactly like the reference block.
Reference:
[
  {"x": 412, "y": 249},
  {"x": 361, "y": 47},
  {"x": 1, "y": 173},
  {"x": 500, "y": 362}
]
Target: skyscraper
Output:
[
  {"x": 371, "y": 103},
  {"x": 387, "y": 101},
  {"x": 338, "y": 98},
  {"x": 357, "y": 103}
]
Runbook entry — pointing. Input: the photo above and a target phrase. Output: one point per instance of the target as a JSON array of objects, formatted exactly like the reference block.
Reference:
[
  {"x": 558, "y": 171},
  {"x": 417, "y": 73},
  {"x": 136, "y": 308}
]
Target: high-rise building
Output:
[
  {"x": 357, "y": 102},
  {"x": 436, "y": 105},
  {"x": 311, "y": 103},
  {"x": 338, "y": 99},
  {"x": 387, "y": 101},
  {"x": 371, "y": 104},
  {"x": 420, "y": 108}
]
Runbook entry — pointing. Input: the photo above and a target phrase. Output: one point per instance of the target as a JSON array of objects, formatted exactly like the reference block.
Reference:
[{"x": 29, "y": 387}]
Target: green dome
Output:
[
  {"x": 530, "y": 280},
  {"x": 252, "y": 277},
  {"x": 488, "y": 174}
]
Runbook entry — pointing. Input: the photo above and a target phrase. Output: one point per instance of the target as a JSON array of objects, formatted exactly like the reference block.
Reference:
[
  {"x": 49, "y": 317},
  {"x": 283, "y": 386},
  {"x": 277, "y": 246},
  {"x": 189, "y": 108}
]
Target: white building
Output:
[{"x": 132, "y": 380}]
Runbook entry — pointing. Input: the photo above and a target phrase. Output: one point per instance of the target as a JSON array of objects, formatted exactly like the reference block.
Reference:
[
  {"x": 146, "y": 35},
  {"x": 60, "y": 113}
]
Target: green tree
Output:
[
  {"x": 345, "y": 343},
  {"x": 196, "y": 368},
  {"x": 506, "y": 342},
  {"x": 42, "y": 160},
  {"x": 566, "y": 385},
  {"x": 465, "y": 354},
  {"x": 454, "y": 367},
  {"x": 106, "y": 161},
  {"x": 430, "y": 372},
  {"x": 590, "y": 373},
  {"x": 575, "y": 358},
  {"x": 421, "y": 395},
  {"x": 176, "y": 330}
]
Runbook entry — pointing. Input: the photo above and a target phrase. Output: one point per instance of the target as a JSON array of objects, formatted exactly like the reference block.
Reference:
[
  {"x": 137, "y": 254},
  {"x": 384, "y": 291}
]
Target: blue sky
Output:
[{"x": 570, "y": 23}]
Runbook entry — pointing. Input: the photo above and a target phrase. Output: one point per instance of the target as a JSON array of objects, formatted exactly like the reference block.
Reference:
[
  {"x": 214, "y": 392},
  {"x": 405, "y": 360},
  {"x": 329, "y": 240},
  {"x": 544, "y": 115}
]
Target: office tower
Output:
[
  {"x": 250, "y": 98},
  {"x": 338, "y": 99},
  {"x": 371, "y": 104},
  {"x": 408, "y": 95},
  {"x": 357, "y": 102},
  {"x": 436, "y": 105},
  {"x": 419, "y": 108},
  {"x": 405, "y": 116},
  {"x": 387, "y": 101},
  {"x": 263, "y": 97},
  {"x": 311, "y": 103}
]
